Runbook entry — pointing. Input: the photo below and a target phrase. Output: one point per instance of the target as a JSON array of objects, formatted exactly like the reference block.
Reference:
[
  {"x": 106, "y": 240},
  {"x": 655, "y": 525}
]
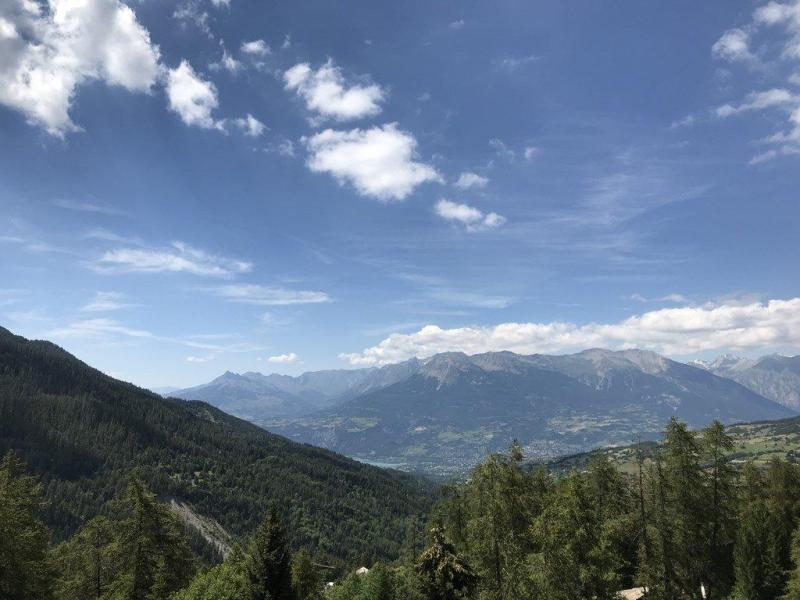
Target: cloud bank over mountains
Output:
[{"x": 671, "y": 331}]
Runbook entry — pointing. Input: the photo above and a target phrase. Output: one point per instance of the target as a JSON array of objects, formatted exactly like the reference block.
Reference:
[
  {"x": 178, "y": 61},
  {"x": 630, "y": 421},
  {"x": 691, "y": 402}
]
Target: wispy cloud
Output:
[
  {"x": 268, "y": 296},
  {"x": 83, "y": 206},
  {"x": 106, "y": 302},
  {"x": 511, "y": 64},
  {"x": 178, "y": 258}
]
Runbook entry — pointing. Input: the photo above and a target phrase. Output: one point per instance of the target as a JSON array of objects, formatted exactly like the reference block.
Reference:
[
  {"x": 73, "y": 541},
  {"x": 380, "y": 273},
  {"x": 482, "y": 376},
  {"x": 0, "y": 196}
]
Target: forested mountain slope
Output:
[{"x": 85, "y": 434}]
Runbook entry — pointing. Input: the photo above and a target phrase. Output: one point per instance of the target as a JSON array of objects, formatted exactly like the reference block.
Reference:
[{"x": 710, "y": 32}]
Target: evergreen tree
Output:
[
  {"x": 378, "y": 584},
  {"x": 503, "y": 501},
  {"x": 718, "y": 573},
  {"x": 24, "y": 567},
  {"x": 306, "y": 579},
  {"x": 87, "y": 563},
  {"x": 686, "y": 505},
  {"x": 154, "y": 556},
  {"x": 226, "y": 581},
  {"x": 581, "y": 555},
  {"x": 793, "y": 585},
  {"x": 756, "y": 555},
  {"x": 269, "y": 573},
  {"x": 443, "y": 574}
]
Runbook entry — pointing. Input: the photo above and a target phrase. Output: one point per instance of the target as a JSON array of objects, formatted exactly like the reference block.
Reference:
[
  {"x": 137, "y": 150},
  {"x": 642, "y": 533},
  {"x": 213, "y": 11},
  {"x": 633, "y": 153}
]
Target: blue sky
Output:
[{"x": 191, "y": 187}]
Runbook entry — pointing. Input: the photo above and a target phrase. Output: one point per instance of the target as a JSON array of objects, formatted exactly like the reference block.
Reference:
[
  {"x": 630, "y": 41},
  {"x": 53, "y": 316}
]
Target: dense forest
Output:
[
  {"x": 687, "y": 524},
  {"x": 84, "y": 434}
]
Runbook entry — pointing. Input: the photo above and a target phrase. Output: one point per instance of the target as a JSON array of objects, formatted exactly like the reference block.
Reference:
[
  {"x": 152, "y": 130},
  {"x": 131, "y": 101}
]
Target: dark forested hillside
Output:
[{"x": 84, "y": 434}]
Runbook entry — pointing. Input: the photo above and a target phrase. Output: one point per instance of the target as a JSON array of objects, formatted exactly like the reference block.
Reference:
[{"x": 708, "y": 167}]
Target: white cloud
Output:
[
  {"x": 99, "y": 329},
  {"x": 788, "y": 15},
  {"x": 531, "y": 152},
  {"x": 179, "y": 258},
  {"x": 200, "y": 359},
  {"x": 676, "y": 298},
  {"x": 191, "y": 97},
  {"x": 47, "y": 52},
  {"x": 191, "y": 12},
  {"x": 106, "y": 302},
  {"x": 251, "y": 126},
  {"x": 733, "y": 46},
  {"x": 673, "y": 331},
  {"x": 760, "y": 101},
  {"x": 467, "y": 180},
  {"x": 378, "y": 162},
  {"x": 256, "y": 48},
  {"x": 227, "y": 62},
  {"x": 469, "y": 216},
  {"x": 269, "y": 296},
  {"x": 513, "y": 63},
  {"x": 326, "y": 92},
  {"x": 763, "y": 157},
  {"x": 459, "y": 24},
  {"x": 221, "y": 3},
  {"x": 291, "y": 357},
  {"x": 502, "y": 150},
  {"x": 80, "y": 206}
]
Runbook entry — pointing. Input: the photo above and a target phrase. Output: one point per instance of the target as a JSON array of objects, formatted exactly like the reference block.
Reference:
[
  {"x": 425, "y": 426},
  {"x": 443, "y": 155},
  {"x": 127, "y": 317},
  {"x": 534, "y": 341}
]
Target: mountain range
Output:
[
  {"x": 775, "y": 377},
  {"x": 444, "y": 413}
]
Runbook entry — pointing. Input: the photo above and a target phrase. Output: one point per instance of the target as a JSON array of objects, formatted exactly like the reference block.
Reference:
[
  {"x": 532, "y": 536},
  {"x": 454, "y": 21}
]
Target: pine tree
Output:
[
  {"x": 86, "y": 562},
  {"x": 306, "y": 580},
  {"x": 152, "y": 551},
  {"x": 25, "y": 571},
  {"x": 269, "y": 574},
  {"x": 718, "y": 573},
  {"x": 226, "y": 581},
  {"x": 793, "y": 585},
  {"x": 756, "y": 557},
  {"x": 686, "y": 505},
  {"x": 443, "y": 574}
]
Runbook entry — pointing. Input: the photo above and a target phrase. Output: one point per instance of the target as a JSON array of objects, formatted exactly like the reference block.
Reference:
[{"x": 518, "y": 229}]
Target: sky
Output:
[{"x": 194, "y": 186}]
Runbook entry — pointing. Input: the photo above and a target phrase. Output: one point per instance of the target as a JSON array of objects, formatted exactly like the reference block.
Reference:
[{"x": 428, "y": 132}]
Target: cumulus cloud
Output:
[
  {"x": 530, "y": 152},
  {"x": 378, "y": 162},
  {"x": 178, "y": 258},
  {"x": 191, "y": 97},
  {"x": 733, "y": 46},
  {"x": 468, "y": 180},
  {"x": 47, "y": 52},
  {"x": 269, "y": 296},
  {"x": 468, "y": 216},
  {"x": 327, "y": 94},
  {"x": 291, "y": 357},
  {"x": 672, "y": 331},
  {"x": 256, "y": 48},
  {"x": 251, "y": 126}
]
